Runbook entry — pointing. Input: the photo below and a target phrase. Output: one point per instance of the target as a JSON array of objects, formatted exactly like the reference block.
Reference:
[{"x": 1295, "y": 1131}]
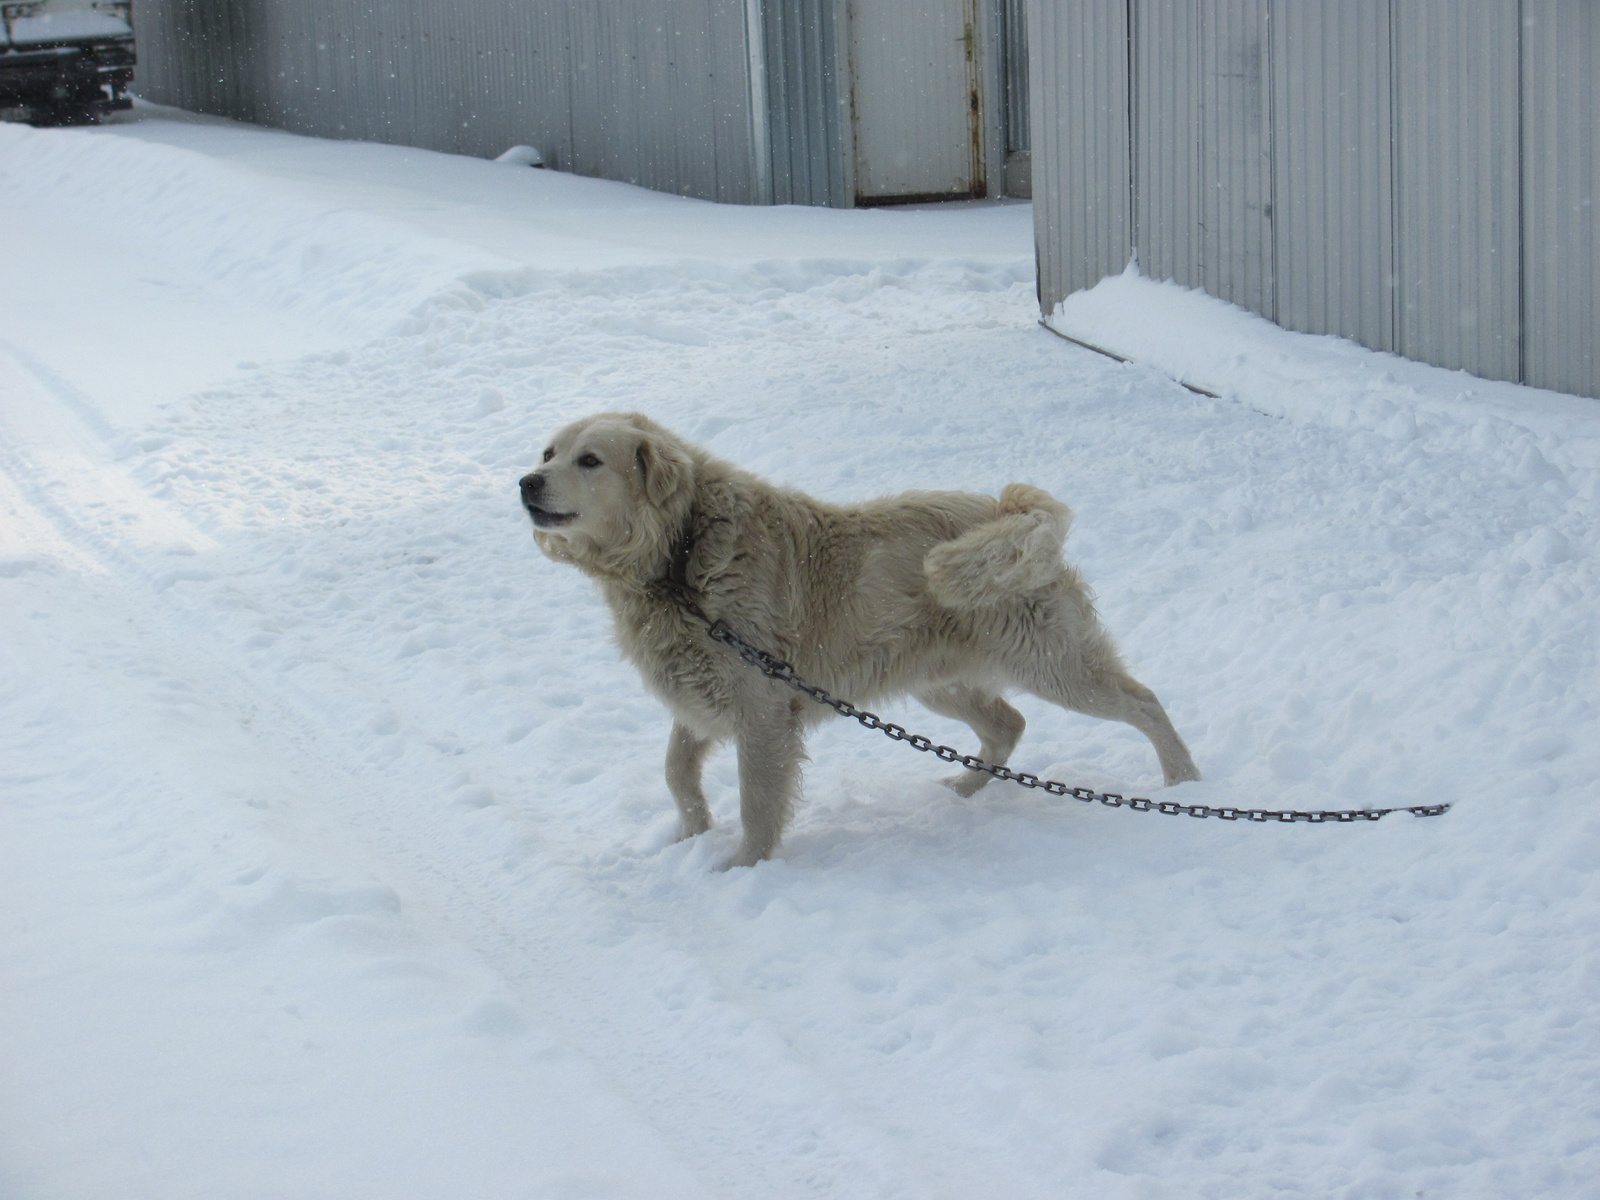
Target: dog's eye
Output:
[
  {"x": 588, "y": 460},
  {"x": 549, "y": 454}
]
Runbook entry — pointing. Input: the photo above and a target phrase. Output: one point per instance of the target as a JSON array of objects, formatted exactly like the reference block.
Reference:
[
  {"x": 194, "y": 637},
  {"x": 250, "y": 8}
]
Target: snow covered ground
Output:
[{"x": 336, "y": 859}]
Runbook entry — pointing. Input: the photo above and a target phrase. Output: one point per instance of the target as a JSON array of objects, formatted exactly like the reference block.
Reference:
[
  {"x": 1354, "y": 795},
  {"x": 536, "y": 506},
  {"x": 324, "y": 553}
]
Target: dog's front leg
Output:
[
  {"x": 686, "y": 755},
  {"x": 770, "y": 752}
]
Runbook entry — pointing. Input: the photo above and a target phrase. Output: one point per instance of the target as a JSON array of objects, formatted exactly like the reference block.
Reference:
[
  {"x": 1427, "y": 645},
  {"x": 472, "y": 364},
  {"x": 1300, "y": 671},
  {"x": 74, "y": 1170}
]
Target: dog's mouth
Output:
[{"x": 545, "y": 519}]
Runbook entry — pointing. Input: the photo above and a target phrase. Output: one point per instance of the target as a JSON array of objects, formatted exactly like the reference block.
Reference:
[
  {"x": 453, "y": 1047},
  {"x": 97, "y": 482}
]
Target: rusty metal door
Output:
[{"x": 915, "y": 100}]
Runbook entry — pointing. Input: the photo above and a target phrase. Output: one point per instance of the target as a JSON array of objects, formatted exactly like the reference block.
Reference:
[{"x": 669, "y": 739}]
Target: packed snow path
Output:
[{"x": 336, "y": 853}]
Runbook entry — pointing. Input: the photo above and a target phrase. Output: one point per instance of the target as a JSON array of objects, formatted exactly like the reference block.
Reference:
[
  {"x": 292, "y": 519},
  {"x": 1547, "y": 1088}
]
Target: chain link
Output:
[{"x": 777, "y": 669}]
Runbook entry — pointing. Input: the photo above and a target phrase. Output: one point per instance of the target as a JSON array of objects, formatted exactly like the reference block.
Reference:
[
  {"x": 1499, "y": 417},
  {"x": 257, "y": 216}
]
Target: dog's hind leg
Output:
[
  {"x": 771, "y": 749},
  {"x": 1114, "y": 695},
  {"x": 998, "y": 726},
  {"x": 686, "y": 755}
]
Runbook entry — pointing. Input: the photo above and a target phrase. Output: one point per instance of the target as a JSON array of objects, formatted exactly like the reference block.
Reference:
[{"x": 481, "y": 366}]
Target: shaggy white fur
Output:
[
  {"x": 950, "y": 597},
  {"x": 1017, "y": 554}
]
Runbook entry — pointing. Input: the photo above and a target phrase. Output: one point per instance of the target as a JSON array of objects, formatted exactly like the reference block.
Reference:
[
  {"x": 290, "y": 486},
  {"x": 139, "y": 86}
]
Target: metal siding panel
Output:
[
  {"x": 234, "y": 37},
  {"x": 986, "y": 83},
  {"x": 1167, "y": 172},
  {"x": 641, "y": 158},
  {"x": 1015, "y": 16},
  {"x": 806, "y": 103},
  {"x": 758, "y": 99},
  {"x": 1456, "y": 184},
  {"x": 807, "y": 144},
  {"x": 1333, "y": 213},
  {"x": 1049, "y": 199},
  {"x": 614, "y": 95},
  {"x": 618, "y": 89},
  {"x": 588, "y": 96},
  {"x": 1202, "y": 146},
  {"x": 735, "y": 151},
  {"x": 1358, "y": 168},
  {"x": 833, "y": 156},
  {"x": 698, "y": 121},
  {"x": 827, "y": 113},
  {"x": 1235, "y": 154},
  {"x": 588, "y": 113},
  {"x": 158, "y": 77},
  {"x": 652, "y": 50},
  {"x": 776, "y": 16},
  {"x": 1561, "y": 161},
  {"x": 185, "y": 48},
  {"x": 1082, "y": 212},
  {"x": 653, "y": 91}
]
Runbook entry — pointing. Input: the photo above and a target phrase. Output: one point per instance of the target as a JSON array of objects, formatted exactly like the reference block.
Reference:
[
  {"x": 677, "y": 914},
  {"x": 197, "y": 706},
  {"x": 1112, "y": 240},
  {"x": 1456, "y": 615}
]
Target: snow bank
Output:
[
  {"x": 248, "y": 244},
  {"x": 266, "y": 244},
  {"x": 1224, "y": 349}
]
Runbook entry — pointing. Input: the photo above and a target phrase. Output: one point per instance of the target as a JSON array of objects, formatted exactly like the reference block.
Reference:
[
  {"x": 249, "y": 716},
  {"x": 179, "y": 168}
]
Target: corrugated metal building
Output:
[
  {"x": 655, "y": 92},
  {"x": 1418, "y": 176},
  {"x": 833, "y": 102}
]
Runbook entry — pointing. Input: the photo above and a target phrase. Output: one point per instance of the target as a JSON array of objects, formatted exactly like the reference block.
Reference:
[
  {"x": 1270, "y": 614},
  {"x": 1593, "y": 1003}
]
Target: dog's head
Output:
[{"x": 611, "y": 494}]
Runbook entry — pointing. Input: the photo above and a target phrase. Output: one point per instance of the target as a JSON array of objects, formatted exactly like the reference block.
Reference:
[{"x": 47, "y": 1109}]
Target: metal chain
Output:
[{"x": 775, "y": 668}]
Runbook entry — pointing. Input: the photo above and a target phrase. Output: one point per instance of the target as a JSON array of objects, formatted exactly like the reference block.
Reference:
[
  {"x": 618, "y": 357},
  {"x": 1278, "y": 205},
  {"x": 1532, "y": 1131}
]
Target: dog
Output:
[{"x": 950, "y": 597}]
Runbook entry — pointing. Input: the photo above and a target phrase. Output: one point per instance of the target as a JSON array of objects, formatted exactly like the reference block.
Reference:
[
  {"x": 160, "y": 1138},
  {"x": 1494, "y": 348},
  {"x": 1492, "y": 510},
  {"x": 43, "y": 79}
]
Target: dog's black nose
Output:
[{"x": 532, "y": 486}]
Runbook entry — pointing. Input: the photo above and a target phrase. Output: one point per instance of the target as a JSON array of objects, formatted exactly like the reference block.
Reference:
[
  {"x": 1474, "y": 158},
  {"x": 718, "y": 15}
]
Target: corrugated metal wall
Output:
[
  {"x": 1014, "y": 34},
  {"x": 1455, "y": 185},
  {"x": 1418, "y": 176},
  {"x": 1009, "y": 32},
  {"x": 1202, "y": 177},
  {"x": 1561, "y": 194},
  {"x": 744, "y": 101},
  {"x": 1333, "y": 246},
  {"x": 655, "y": 92},
  {"x": 1082, "y": 192},
  {"x": 807, "y": 118}
]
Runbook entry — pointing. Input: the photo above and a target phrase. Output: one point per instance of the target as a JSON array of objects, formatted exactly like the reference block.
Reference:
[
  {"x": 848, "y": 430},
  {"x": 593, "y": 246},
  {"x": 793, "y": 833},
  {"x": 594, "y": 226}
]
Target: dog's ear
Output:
[{"x": 663, "y": 469}]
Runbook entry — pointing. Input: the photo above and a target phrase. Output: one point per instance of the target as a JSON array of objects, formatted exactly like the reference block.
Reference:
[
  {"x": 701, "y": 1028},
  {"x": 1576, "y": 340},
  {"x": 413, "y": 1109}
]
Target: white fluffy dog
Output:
[{"x": 950, "y": 597}]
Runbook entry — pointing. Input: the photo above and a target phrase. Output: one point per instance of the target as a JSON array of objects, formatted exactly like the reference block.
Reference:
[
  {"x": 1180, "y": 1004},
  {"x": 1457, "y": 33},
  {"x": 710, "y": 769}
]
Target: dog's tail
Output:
[{"x": 1016, "y": 554}]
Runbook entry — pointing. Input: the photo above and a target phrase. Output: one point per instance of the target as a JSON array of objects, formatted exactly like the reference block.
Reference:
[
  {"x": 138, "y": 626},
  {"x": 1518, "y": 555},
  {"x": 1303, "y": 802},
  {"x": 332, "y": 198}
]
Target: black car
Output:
[{"x": 64, "y": 61}]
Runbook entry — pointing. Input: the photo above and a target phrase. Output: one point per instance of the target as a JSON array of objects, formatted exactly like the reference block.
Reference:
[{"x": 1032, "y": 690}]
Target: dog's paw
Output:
[
  {"x": 748, "y": 856},
  {"x": 967, "y": 783},
  {"x": 1185, "y": 772},
  {"x": 689, "y": 829}
]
